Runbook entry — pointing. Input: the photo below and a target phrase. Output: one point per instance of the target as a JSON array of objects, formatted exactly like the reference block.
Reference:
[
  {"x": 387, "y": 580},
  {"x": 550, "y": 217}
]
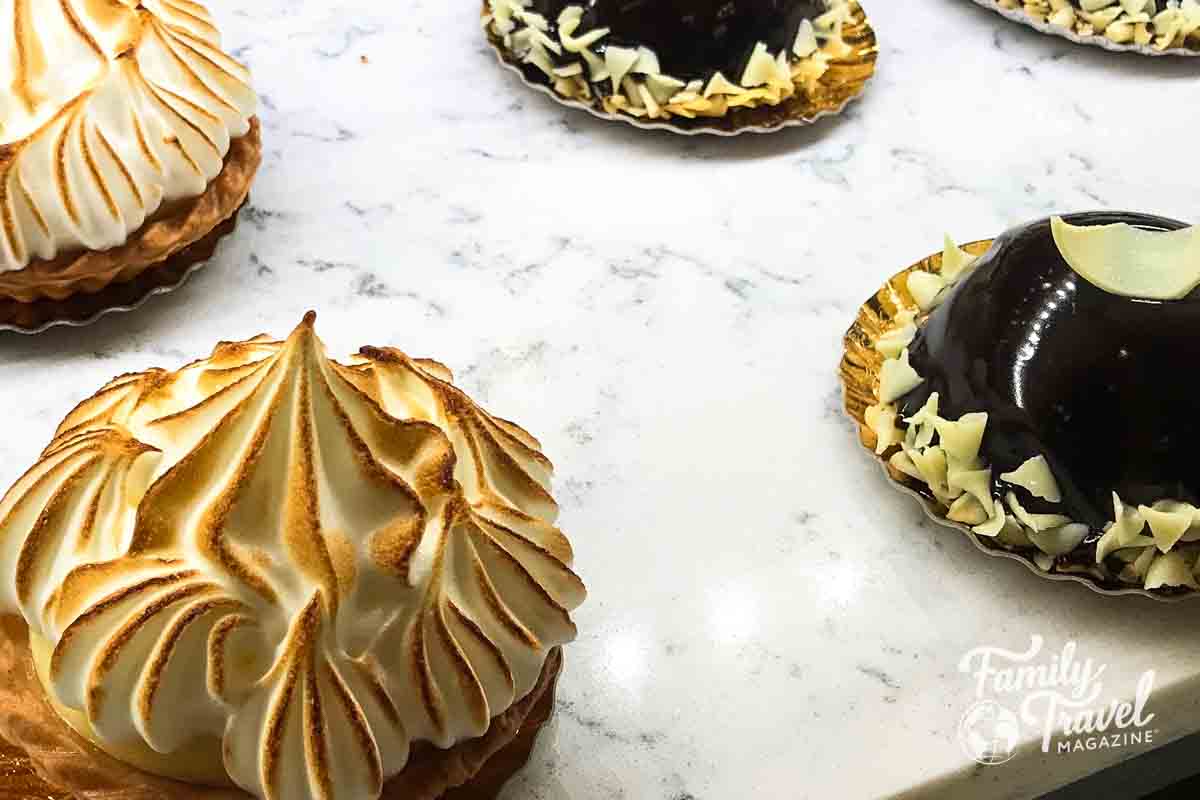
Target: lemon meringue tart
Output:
[
  {"x": 305, "y": 578},
  {"x": 674, "y": 59},
  {"x": 128, "y": 135},
  {"x": 1022, "y": 391}
]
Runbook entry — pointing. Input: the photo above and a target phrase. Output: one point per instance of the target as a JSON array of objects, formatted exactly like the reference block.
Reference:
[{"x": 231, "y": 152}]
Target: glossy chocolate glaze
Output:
[
  {"x": 1104, "y": 386},
  {"x": 694, "y": 39}
]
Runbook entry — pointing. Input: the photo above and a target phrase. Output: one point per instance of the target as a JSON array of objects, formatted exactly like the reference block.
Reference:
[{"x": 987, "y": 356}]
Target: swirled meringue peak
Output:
[
  {"x": 112, "y": 111},
  {"x": 310, "y": 564}
]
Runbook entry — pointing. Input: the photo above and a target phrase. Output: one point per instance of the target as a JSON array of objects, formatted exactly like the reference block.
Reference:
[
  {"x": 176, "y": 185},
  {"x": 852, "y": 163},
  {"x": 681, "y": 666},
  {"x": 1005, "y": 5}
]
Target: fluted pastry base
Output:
[
  {"x": 42, "y": 756},
  {"x": 83, "y": 309},
  {"x": 150, "y": 246}
]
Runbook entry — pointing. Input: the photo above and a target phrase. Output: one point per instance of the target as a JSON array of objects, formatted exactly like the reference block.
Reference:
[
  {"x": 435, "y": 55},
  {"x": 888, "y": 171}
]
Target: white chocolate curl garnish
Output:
[
  {"x": 316, "y": 563},
  {"x": 1129, "y": 261},
  {"x": 114, "y": 109}
]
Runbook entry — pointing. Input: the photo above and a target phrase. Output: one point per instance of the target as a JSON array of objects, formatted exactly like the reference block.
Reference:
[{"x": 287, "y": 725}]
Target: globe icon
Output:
[{"x": 989, "y": 732}]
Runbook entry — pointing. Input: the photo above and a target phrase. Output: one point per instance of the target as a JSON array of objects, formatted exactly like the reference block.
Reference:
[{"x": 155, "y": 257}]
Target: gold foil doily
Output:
[
  {"x": 860, "y": 368},
  {"x": 845, "y": 81},
  {"x": 42, "y": 758}
]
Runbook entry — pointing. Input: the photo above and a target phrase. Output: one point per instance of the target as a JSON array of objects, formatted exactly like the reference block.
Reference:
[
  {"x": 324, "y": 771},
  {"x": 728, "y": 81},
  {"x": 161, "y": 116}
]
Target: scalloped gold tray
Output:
[
  {"x": 845, "y": 82},
  {"x": 42, "y": 758},
  {"x": 860, "y": 367}
]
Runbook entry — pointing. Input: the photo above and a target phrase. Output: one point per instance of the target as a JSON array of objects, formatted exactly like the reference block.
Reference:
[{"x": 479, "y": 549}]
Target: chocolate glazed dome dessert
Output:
[
  {"x": 1040, "y": 402},
  {"x": 674, "y": 58}
]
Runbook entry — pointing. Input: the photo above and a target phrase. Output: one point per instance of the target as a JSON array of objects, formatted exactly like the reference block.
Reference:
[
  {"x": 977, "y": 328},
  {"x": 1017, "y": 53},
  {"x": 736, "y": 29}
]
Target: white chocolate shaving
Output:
[
  {"x": 1111, "y": 542},
  {"x": 618, "y": 61},
  {"x": 1128, "y": 523},
  {"x": 1168, "y": 522},
  {"x": 1035, "y": 522},
  {"x": 893, "y": 342},
  {"x": 976, "y": 483},
  {"x": 931, "y": 464},
  {"x": 806, "y": 41},
  {"x": 1013, "y": 535},
  {"x": 760, "y": 69},
  {"x": 897, "y": 378},
  {"x": 1035, "y": 476},
  {"x": 1059, "y": 541},
  {"x": 1141, "y": 564},
  {"x": 647, "y": 63},
  {"x": 923, "y": 425},
  {"x": 963, "y": 438},
  {"x": 994, "y": 525},
  {"x": 902, "y": 463},
  {"x": 1170, "y": 569},
  {"x": 882, "y": 420},
  {"x": 925, "y": 287},
  {"x": 967, "y": 510}
]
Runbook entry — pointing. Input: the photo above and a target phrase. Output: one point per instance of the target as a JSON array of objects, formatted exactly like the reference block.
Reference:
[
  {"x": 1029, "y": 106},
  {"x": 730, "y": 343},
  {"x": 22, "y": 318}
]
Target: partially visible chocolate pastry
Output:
[
  {"x": 1160, "y": 24},
  {"x": 1042, "y": 394},
  {"x": 660, "y": 59}
]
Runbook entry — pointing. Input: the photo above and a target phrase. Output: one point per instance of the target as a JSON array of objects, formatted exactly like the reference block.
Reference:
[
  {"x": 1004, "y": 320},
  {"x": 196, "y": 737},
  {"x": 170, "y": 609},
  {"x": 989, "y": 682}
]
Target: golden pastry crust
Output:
[
  {"x": 80, "y": 309},
  {"x": 50, "y": 759},
  {"x": 154, "y": 243}
]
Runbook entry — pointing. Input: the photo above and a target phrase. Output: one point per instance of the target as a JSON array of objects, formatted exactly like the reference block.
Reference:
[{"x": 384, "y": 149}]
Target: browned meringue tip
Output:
[
  {"x": 304, "y": 335},
  {"x": 385, "y": 355}
]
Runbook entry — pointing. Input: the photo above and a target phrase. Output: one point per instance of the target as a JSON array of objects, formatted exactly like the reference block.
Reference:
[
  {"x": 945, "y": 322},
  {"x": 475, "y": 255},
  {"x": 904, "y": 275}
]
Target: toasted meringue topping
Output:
[
  {"x": 114, "y": 110},
  {"x": 316, "y": 563}
]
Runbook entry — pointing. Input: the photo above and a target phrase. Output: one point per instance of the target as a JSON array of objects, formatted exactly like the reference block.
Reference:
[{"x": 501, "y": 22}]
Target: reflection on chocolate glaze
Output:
[
  {"x": 1104, "y": 386},
  {"x": 694, "y": 39}
]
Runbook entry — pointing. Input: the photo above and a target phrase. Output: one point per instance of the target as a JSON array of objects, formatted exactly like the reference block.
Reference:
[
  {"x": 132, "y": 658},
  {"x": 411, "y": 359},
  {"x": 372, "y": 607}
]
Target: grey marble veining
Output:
[{"x": 766, "y": 617}]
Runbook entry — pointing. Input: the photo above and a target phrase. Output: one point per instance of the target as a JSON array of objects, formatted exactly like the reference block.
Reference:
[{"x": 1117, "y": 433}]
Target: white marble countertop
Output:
[{"x": 766, "y": 618}]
